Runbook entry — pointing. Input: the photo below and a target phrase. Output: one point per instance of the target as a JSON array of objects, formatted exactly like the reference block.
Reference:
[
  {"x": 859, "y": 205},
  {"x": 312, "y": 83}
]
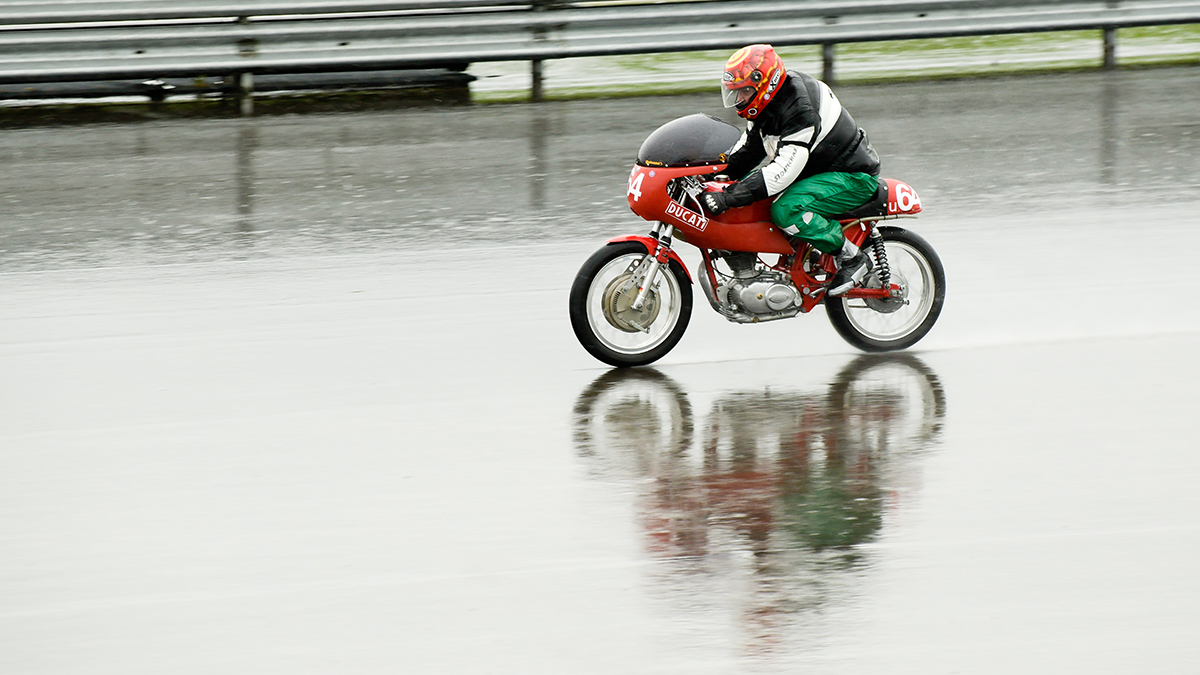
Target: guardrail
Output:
[{"x": 93, "y": 40}]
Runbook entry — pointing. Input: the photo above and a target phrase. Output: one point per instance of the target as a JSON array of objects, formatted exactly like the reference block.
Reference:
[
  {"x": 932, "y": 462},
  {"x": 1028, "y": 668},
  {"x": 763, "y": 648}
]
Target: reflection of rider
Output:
[
  {"x": 812, "y": 466},
  {"x": 821, "y": 161},
  {"x": 798, "y": 479}
]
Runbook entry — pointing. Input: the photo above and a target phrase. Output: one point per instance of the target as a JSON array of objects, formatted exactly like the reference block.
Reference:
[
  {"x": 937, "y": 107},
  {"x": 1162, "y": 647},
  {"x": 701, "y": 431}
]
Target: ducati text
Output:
[{"x": 687, "y": 216}]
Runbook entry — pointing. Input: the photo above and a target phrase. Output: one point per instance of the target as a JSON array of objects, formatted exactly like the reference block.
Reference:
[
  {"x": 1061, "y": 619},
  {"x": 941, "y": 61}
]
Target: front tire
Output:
[
  {"x": 605, "y": 324},
  {"x": 889, "y": 325}
]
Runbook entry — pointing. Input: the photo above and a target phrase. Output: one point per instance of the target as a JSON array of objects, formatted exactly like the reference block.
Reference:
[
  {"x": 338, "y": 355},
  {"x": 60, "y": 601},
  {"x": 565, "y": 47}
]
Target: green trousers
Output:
[{"x": 803, "y": 209}]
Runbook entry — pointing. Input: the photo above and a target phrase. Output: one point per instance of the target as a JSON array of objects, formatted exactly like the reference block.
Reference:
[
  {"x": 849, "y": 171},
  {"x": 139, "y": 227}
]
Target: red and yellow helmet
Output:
[{"x": 752, "y": 76}]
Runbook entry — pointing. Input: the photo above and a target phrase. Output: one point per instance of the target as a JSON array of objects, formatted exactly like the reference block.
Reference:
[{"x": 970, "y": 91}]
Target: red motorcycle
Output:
[{"x": 632, "y": 300}]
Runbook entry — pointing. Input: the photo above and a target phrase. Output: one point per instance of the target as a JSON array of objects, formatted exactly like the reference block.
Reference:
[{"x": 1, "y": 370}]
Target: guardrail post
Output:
[
  {"x": 827, "y": 53},
  {"x": 1110, "y": 48},
  {"x": 536, "y": 92},
  {"x": 535, "y": 72},
  {"x": 244, "y": 83}
]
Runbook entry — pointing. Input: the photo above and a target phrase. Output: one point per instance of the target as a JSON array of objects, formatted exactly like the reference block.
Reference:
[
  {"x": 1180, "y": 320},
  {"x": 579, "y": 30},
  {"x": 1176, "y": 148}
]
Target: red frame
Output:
[{"x": 748, "y": 228}]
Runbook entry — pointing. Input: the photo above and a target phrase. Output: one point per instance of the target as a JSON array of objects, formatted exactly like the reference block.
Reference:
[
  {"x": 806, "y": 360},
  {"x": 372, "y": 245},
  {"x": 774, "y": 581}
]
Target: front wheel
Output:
[
  {"x": 602, "y": 313},
  {"x": 875, "y": 325}
]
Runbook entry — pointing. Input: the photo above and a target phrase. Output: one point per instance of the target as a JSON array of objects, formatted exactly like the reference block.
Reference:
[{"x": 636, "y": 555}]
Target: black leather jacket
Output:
[{"x": 803, "y": 131}]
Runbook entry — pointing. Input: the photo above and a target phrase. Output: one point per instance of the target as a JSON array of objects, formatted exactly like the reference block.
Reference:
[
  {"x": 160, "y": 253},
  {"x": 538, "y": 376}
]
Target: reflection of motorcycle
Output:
[
  {"x": 798, "y": 479},
  {"x": 632, "y": 300}
]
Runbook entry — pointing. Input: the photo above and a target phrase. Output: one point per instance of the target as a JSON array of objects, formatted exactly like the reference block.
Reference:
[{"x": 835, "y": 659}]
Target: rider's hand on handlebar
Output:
[{"x": 714, "y": 202}]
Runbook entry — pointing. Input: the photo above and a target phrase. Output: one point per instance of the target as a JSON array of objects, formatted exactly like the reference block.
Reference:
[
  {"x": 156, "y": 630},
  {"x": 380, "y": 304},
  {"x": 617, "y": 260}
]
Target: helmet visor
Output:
[{"x": 737, "y": 98}]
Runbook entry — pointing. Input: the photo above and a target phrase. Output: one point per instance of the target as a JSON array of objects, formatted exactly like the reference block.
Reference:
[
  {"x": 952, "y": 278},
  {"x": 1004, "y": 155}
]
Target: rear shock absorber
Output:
[{"x": 881, "y": 261}]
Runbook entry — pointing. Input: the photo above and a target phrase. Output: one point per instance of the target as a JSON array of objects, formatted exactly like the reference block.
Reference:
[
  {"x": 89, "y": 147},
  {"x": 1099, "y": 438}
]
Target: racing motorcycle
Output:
[{"x": 631, "y": 301}]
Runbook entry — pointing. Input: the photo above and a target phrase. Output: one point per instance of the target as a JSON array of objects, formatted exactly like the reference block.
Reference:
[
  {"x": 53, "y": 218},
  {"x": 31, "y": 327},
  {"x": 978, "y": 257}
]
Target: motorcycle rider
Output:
[{"x": 821, "y": 162}]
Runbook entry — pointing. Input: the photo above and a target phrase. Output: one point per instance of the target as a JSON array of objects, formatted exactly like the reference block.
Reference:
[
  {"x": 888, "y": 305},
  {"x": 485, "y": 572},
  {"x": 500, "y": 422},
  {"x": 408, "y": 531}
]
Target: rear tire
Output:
[
  {"x": 879, "y": 325},
  {"x": 601, "y": 321}
]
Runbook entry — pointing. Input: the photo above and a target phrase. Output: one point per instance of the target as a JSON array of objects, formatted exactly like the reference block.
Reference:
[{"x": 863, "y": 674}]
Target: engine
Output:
[{"x": 753, "y": 292}]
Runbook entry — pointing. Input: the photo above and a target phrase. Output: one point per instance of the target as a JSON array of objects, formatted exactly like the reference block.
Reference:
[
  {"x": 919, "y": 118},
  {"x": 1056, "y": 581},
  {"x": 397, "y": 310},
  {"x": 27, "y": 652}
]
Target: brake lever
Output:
[{"x": 692, "y": 187}]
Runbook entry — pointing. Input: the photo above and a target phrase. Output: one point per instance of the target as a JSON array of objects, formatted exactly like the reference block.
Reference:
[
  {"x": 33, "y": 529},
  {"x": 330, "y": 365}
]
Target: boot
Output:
[{"x": 852, "y": 269}]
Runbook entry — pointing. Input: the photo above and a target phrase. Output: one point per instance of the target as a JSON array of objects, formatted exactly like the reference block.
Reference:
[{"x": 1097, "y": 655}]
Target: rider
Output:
[{"x": 821, "y": 162}]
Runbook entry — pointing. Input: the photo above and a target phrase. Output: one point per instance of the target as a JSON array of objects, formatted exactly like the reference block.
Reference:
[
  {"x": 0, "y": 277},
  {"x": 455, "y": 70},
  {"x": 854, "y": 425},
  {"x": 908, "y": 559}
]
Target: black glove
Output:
[{"x": 714, "y": 202}]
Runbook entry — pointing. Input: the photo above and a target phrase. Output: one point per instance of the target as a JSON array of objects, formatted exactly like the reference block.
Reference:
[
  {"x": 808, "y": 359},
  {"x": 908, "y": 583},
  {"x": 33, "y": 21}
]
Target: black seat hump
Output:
[{"x": 875, "y": 206}]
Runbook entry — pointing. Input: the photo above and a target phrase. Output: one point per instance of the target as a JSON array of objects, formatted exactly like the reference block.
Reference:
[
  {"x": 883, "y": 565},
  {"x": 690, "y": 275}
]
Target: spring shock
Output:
[{"x": 881, "y": 261}]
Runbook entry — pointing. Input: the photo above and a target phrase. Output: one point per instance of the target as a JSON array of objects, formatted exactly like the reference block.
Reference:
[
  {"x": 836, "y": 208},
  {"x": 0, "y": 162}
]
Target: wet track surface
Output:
[{"x": 300, "y": 394}]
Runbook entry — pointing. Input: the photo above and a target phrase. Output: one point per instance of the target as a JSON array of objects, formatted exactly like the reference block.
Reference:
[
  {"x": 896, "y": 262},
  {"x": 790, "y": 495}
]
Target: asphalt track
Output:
[{"x": 299, "y": 394}]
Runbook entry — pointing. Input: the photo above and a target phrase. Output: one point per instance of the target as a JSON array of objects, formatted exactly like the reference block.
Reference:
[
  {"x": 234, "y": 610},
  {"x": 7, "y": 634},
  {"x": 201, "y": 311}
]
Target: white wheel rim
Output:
[
  {"x": 914, "y": 274},
  {"x": 670, "y": 306}
]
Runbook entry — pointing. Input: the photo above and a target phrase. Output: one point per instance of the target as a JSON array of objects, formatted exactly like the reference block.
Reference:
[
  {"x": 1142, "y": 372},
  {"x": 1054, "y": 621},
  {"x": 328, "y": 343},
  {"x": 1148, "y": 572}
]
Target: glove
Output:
[{"x": 714, "y": 202}]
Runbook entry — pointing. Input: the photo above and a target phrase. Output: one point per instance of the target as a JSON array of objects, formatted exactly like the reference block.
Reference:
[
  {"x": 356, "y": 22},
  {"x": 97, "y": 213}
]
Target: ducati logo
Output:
[{"x": 687, "y": 216}]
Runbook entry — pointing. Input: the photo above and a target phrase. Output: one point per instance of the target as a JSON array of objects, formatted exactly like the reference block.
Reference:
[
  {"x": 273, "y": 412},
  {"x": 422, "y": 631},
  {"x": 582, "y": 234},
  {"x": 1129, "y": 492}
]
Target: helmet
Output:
[{"x": 752, "y": 76}]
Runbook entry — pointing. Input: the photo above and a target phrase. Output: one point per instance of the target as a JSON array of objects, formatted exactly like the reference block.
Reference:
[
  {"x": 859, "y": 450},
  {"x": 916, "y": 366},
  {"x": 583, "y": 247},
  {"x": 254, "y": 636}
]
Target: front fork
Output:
[{"x": 647, "y": 271}]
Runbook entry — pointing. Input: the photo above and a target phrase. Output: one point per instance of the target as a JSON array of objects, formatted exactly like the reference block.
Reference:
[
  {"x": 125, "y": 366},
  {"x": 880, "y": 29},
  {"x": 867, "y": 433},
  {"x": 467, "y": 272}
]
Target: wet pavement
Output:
[{"x": 299, "y": 394}]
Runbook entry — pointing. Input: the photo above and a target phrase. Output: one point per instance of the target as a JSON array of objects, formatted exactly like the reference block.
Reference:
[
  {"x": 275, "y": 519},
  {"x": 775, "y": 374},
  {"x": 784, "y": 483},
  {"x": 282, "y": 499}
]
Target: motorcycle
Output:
[{"x": 631, "y": 301}]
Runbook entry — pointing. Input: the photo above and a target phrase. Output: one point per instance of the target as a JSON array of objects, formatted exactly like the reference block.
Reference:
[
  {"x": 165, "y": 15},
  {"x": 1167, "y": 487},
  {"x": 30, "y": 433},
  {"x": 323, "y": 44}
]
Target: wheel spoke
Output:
[
  {"x": 620, "y": 328},
  {"x": 913, "y": 273},
  {"x": 887, "y": 324}
]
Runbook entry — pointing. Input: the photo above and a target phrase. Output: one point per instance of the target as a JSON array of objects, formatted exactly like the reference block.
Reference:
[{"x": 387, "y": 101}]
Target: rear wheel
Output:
[
  {"x": 875, "y": 325},
  {"x": 603, "y": 317}
]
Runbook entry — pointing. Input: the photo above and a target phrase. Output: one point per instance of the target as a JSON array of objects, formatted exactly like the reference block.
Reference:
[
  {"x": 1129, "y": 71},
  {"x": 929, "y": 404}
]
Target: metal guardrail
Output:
[
  {"x": 62, "y": 11},
  {"x": 58, "y": 41}
]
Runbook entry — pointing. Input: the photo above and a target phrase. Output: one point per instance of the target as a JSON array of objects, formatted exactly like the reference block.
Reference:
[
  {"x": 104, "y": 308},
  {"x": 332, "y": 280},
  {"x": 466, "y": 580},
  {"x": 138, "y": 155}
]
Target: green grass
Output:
[
  {"x": 1022, "y": 42},
  {"x": 902, "y": 60},
  {"x": 1190, "y": 32}
]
